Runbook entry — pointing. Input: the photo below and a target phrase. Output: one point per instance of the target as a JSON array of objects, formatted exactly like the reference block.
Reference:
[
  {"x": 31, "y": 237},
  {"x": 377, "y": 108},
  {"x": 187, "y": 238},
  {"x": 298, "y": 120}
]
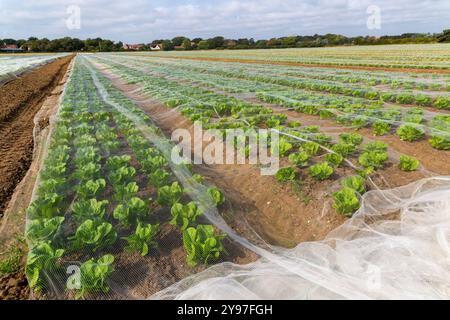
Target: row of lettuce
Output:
[
  {"x": 318, "y": 82},
  {"x": 95, "y": 195},
  {"x": 426, "y": 56},
  {"x": 308, "y": 151},
  {"x": 410, "y": 124}
]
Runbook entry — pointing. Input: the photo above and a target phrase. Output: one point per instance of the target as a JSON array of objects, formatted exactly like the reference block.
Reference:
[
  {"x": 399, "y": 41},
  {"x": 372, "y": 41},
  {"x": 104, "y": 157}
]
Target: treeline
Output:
[
  {"x": 183, "y": 43},
  {"x": 68, "y": 44}
]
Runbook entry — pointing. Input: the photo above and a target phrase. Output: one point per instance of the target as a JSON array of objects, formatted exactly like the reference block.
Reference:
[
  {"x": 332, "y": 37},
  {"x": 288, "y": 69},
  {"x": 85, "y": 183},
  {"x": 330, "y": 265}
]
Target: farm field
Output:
[
  {"x": 13, "y": 65},
  {"x": 420, "y": 57},
  {"x": 362, "y": 135}
]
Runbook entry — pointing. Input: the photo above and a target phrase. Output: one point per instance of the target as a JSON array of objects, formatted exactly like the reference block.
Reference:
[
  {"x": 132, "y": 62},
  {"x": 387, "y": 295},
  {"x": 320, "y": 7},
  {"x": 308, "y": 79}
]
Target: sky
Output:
[{"x": 141, "y": 21}]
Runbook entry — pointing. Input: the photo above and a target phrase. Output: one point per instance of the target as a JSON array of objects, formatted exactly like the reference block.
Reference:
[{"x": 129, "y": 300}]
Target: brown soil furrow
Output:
[
  {"x": 308, "y": 65},
  {"x": 20, "y": 100}
]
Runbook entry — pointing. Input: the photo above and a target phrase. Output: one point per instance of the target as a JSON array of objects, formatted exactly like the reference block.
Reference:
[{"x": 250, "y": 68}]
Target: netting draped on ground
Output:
[
  {"x": 114, "y": 217},
  {"x": 371, "y": 256},
  {"x": 13, "y": 66}
]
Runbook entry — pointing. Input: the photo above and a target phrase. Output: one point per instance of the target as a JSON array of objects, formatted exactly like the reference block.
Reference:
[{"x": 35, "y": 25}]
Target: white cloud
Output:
[{"x": 144, "y": 20}]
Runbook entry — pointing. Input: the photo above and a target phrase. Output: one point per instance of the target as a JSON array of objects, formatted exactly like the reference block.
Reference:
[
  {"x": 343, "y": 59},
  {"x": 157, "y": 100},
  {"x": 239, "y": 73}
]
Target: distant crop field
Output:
[
  {"x": 124, "y": 195},
  {"x": 427, "y": 56},
  {"x": 15, "y": 64}
]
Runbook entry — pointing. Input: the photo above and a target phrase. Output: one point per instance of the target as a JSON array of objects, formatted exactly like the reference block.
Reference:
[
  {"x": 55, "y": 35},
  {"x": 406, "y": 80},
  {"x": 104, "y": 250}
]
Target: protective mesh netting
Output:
[
  {"x": 113, "y": 217},
  {"x": 12, "y": 66}
]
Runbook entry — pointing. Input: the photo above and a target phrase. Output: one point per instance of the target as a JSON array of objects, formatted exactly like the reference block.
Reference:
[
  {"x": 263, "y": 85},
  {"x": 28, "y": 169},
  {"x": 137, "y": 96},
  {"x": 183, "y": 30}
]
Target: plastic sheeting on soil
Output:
[
  {"x": 13, "y": 66},
  {"x": 395, "y": 246}
]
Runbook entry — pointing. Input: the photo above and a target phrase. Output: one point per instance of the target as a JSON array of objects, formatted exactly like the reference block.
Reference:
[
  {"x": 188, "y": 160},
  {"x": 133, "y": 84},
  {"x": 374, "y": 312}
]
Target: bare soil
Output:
[
  {"x": 14, "y": 287},
  {"x": 20, "y": 100}
]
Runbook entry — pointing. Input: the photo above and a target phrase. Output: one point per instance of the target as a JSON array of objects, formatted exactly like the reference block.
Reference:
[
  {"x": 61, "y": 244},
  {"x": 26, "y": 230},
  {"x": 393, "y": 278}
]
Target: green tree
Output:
[
  {"x": 167, "y": 45},
  {"x": 203, "y": 45},
  {"x": 216, "y": 42},
  {"x": 187, "y": 44},
  {"x": 444, "y": 36},
  {"x": 178, "y": 41}
]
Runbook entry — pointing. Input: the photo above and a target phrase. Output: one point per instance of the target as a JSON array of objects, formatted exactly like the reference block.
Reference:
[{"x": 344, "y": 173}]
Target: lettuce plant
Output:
[
  {"x": 294, "y": 124},
  {"x": 202, "y": 245},
  {"x": 116, "y": 162},
  {"x": 159, "y": 178},
  {"x": 170, "y": 194},
  {"x": 321, "y": 171},
  {"x": 356, "y": 183},
  {"x": 123, "y": 193},
  {"x": 322, "y": 139},
  {"x": 344, "y": 149},
  {"x": 311, "y": 148},
  {"x": 40, "y": 230},
  {"x": 284, "y": 147},
  {"x": 94, "y": 276},
  {"x": 89, "y": 209},
  {"x": 87, "y": 155},
  {"x": 152, "y": 164},
  {"x": 346, "y": 201},
  {"x": 408, "y": 163},
  {"x": 49, "y": 186},
  {"x": 217, "y": 196},
  {"x": 440, "y": 141},
  {"x": 85, "y": 140},
  {"x": 375, "y": 146},
  {"x": 122, "y": 176},
  {"x": 381, "y": 128},
  {"x": 45, "y": 206},
  {"x": 351, "y": 138},
  {"x": 299, "y": 159},
  {"x": 285, "y": 174},
  {"x": 184, "y": 215},
  {"x": 88, "y": 171},
  {"x": 94, "y": 235},
  {"x": 410, "y": 132},
  {"x": 442, "y": 102},
  {"x": 325, "y": 114},
  {"x": 143, "y": 238},
  {"x": 133, "y": 211},
  {"x": 405, "y": 98},
  {"x": 41, "y": 262},
  {"x": 198, "y": 178},
  {"x": 90, "y": 188},
  {"x": 360, "y": 121},
  {"x": 373, "y": 159},
  {"x": 137, "y": 142},
  {"x": 334, "y": 159},
  {"x": 413, "y": 118}
]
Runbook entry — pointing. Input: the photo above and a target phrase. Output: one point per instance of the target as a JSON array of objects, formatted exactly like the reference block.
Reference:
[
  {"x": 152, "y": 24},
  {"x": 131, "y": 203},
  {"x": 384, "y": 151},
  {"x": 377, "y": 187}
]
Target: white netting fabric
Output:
[
  {"x": 374, "y": 255},
  {"x": 395, "y": 246}
]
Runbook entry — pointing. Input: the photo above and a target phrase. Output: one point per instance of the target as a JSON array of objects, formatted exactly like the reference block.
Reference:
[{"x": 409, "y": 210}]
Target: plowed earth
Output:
[{"x": 20, "y": 100}]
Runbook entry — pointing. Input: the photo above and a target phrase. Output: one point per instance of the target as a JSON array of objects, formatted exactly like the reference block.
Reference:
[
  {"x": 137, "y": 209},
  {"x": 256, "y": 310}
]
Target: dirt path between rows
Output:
[
  {"x": 311, "y": 65},
  {"x": 20, "y": 100},
  {"x": 14, "y": 286}
]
